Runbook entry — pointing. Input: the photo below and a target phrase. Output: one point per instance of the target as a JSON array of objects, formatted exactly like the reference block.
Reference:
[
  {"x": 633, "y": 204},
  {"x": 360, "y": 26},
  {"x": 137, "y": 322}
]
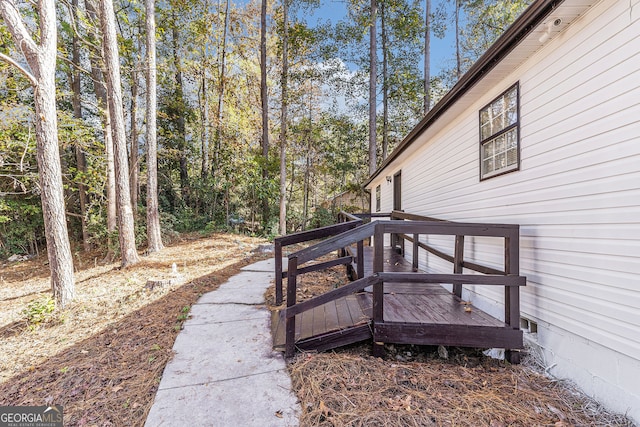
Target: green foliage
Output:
[
  {"x": 322, "y": 217},
  {"x": 21, "y": 226},
  {"x": 481, "y": 23},
  {"x": 486, "y": 21},
  {"x": 39, "y": 311}
]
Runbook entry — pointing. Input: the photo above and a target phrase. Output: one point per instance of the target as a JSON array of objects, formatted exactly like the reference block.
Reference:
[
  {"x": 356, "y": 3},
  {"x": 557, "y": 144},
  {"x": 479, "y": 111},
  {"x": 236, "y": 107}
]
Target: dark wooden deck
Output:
[{"x": 413, "y": 313}]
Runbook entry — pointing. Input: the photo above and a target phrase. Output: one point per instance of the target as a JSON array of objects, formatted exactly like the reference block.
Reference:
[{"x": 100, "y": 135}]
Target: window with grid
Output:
[{"x": 500, "y": 134}]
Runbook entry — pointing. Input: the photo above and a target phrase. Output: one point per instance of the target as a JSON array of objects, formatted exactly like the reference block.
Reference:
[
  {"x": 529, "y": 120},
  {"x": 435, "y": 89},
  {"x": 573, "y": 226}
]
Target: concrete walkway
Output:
[{"x": 224, "y": 372}]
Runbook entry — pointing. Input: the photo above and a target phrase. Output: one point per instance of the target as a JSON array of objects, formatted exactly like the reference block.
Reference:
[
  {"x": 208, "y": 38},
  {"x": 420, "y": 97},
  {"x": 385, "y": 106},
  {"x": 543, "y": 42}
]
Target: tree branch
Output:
[
  {"x": 14, "y": 22},
  {"x": 23, "y": 70},
  {"x": 74, "y": 66}
]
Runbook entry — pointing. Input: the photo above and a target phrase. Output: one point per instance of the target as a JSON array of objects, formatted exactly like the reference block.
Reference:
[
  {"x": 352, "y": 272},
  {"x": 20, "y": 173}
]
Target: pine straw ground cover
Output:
[
  {"x": 102, "y": 358},
  {"x": 415, "y": 386}
]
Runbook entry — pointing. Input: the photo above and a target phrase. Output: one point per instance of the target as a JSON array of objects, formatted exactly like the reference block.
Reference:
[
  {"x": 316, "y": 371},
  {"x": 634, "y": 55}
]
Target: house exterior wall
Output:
[{"x": 576, "y": 197}]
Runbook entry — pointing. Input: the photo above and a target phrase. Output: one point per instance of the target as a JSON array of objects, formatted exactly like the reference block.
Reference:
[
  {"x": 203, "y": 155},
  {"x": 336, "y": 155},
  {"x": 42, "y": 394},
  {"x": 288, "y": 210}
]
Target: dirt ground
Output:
[{"x": 102, "y": 358}]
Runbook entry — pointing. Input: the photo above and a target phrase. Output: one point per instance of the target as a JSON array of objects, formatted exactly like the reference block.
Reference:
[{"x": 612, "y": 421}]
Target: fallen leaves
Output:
[{"x": 350, "y": 388}]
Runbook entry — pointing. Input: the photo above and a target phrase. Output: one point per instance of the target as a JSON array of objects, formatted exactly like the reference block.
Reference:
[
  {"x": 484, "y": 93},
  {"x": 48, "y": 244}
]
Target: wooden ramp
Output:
[
  {"x": 334, "y": 324},
  {"x": 413, "y": 313}
]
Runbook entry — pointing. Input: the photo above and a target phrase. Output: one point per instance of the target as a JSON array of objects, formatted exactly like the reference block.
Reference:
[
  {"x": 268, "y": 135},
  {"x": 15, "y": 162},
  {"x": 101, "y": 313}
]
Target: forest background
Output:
[{"x": 264, "y": 111}]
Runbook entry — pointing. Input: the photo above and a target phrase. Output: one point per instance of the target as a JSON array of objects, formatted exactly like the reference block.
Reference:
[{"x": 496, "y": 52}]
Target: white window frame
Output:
[{"x": 500, "y": 134}]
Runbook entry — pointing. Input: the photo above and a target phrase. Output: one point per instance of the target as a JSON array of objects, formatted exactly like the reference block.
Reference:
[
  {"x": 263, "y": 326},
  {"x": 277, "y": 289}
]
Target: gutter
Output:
[{"x": 533, "y": 16}]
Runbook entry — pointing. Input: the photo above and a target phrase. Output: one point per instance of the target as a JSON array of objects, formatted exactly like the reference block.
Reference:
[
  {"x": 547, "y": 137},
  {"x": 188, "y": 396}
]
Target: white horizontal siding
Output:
[{"x": 577, "y": 195}]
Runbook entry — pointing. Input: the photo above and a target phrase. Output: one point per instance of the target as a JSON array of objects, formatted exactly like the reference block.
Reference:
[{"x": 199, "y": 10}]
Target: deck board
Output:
[
  {"x": 331, "y": 320},
  {"x": 413, "y": 313},
  {"x": 344, "y": 314}
]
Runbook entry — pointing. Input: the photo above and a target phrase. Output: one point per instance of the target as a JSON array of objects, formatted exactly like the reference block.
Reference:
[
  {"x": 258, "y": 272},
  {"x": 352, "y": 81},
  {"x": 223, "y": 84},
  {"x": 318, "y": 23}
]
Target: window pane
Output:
[
  {"x": 488, "y": 150},
  {"x": 485, "y": 131},
  {"x": 512, "y": 116},
  {"x": 511, "y": 98},
  {"x": 512, "y": 140},
  {"x": 512, "y": 157},
  {"x": 487, "y": 166},
  {"x": 501, "y": 160},
  {"x": 498, "y": 117},
  {"x": 484, "y": 117},
  {"x": 499, "y": 144}
]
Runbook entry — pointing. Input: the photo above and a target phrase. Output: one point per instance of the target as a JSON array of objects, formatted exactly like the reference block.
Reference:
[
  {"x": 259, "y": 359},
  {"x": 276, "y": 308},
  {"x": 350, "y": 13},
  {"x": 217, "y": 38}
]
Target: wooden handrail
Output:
[
  {"x": 463, "y": 279},
  {"x": 318, "y": 233},
  {"x": 304, "y": 236},
  {"x": 333, "y": 243},
  {"x": 414, "y": 217},
  {"x": 348, "y": 216},
  {"x": 348, "y": 289},
  {"x": 465, "y": 264},
  {"x": 448, "y": 228}
]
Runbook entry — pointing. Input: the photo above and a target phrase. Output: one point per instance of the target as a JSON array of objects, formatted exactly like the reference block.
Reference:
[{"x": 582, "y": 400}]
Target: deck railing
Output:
[
  {"x": 412, "y": 229},
  {"x": 353, "y": 236},
  {"x": 404, "y": 227},
  {"x": 346, "y": 223}
]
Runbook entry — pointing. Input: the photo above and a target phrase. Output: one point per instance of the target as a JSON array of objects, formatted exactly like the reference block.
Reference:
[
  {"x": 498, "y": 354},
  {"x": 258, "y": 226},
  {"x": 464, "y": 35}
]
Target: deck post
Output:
[
  {"x": 378, "y": 287},
  {"x": 290, "y": 322},
  {"x": 416, "y": 239},
  {"x": 512, "y": 267},
  {"x": 277, "y": 247},
  {"x": 360, "y": 260},
  {"x": 378, "y": 315},
  {"x": 512, "y": 293},
  {"x": 378, "y": 249},
  {"x": 458, "y": 260}
]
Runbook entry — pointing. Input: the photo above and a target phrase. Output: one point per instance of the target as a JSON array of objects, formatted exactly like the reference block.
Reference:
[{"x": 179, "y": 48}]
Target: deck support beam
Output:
[
  {"x": 415, "y": 254},
  {"x": 277, "y": 250},
  {"x": 360, "y": 259},
  {"x": 290, "y": 322},
  {"x": 458, "y": 261}
]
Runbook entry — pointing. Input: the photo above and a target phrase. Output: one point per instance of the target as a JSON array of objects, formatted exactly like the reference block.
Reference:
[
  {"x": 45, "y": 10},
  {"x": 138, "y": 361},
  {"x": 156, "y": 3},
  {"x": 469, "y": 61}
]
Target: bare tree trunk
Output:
[
  {"x": 221, "y": 88},
  {"x": 134, "y": 164},
  {"x": 385, "y": 82},
  {"x": 293, "y": 180},
  {"x": 305, "y": 191},
  {"x": 182, "y": 128},
  {"x": 81, "y": 162},
  {"x": 265, "y": 104},
  {"x": 42, "y": 61},
  {"x": 204, "y": 117},
  {"x": 126, "y": 233},
  {"x": 283, "y": 119},
  {"x": 427, "y": 56},
  {"x": 458, "y": 60},
  {"x": 203, "y": 101},
  {"x": 154, "y": 235},
  {"x": 112, "y": 216},
  {"x": 99, "y": 87},
  {"x": 373, "y": 60}
]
